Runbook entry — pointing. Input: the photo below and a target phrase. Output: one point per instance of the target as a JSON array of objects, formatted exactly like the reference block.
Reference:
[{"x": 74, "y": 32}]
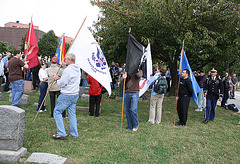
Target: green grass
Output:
[{"x": 100, "y": 140}]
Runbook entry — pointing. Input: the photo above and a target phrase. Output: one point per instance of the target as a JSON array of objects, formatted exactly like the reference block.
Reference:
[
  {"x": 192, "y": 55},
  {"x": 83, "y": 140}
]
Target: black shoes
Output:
[
  {"x": 205, "y": 121},
  {"x": 179, "y": 124}
]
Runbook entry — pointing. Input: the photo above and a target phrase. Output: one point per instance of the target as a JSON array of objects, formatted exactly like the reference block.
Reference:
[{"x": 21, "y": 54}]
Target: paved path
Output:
[{"x": 233, "y": 101}]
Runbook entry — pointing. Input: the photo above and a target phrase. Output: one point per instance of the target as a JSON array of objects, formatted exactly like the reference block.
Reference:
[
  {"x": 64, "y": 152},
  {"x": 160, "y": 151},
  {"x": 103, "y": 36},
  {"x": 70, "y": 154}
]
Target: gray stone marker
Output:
[
  {"x": 24, "y": 99},
  {"x": 86, "y": 90},
  {"x": 2, "y": 86},
  {"x": 46, "y": 158},
  {"x": 85, "y": 97},
  {"x": 1, "y": 97},
  {"x": 81, "y": 91},
  {"x": 12, "y": 129}
]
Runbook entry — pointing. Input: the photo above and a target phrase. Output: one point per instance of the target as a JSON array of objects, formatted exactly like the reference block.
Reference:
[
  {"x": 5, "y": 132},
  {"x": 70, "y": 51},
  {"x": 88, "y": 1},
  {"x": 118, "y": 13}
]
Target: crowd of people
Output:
[{"x": 63, "y": 82}]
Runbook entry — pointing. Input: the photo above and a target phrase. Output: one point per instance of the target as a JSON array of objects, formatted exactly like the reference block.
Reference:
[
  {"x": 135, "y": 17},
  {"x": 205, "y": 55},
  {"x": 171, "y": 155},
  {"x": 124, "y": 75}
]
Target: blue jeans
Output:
[
  {"x": 201, "y": 100},
  {"x": 130, "y": 105},
  {"x": 43, "y": 89},
  {"x": 84, "y": 82},
  {"x": 66, "y": 102},
  {"x": 210, "y": 108},
  {"x": 28, "y": 75},
  {"x": 17, "y": 91}
]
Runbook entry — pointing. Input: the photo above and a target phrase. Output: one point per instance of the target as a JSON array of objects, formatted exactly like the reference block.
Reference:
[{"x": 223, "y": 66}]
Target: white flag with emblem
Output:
[
  {"x": 143, "y": 83},
  {"x": 90, "y": 58}
]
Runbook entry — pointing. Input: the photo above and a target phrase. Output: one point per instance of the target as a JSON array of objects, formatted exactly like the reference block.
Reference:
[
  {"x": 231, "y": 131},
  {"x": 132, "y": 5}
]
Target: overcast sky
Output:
[{"x": 61, "y": 16}]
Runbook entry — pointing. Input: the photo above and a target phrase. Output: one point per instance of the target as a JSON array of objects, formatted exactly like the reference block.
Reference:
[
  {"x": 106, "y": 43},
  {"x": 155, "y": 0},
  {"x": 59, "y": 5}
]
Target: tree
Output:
[
  {"x": 208, "y": 28},
  {"x": 48, "y": 44},
  {"x": 3, "y": 46}
]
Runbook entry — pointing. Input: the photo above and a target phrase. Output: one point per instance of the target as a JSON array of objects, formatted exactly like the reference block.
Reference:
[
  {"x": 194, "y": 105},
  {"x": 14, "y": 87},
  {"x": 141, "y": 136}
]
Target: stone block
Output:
[
  {"x": 85, "y": 97},
  {"x": 1, "y": 97},
  {"x": 81, "y": 91},
  {"x": 24, "y": 99},
  {"x": 7, "y": 156},
  {"x": 28, "y": 87},
  {"x": 12, "y": 127},
  {"x": 86, "y": 90},
  {"x": 2, "y": 86},
  {"x": 46, "y": 158}
]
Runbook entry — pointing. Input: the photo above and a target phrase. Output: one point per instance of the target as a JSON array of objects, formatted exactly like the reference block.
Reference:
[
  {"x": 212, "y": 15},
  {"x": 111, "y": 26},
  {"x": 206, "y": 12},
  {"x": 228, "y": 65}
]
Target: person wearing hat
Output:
[
  {"x": 213, "y": 91},
  {"x": 55, "y": 89},
  {"x": 201, "y": 99}
]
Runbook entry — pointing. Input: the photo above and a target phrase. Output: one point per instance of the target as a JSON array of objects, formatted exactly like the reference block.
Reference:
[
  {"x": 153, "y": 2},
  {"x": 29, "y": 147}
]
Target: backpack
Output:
[
  {"x": 103, "y": 90},
  {"x": 232, "y": 107},
  {"x": 160, "y": 85}
]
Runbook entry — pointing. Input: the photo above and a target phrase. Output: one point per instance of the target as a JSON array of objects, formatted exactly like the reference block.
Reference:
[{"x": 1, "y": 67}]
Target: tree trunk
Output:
[{"x": 174, "y": 77}]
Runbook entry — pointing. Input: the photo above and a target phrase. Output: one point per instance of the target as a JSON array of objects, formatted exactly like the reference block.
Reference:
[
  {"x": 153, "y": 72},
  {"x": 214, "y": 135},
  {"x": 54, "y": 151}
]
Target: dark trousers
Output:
[
  {"x": 35, "y": 79},
  {"x": 182, "y": 108},
  {"x": 43, "y": 89},
  {"x": 7, "y": 83},
  {"x": 94, "y": 100},
  {"x": 168, "y": 83},
  {"x": 225, "y": 98},
  {"x": 53, "y": 95},
  {"x": 210, "y": 108}
]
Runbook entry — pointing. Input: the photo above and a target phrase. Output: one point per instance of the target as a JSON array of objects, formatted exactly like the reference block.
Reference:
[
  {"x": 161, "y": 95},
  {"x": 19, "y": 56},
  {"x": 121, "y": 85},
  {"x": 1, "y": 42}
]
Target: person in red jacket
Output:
[{"x": 95, "y": 96}]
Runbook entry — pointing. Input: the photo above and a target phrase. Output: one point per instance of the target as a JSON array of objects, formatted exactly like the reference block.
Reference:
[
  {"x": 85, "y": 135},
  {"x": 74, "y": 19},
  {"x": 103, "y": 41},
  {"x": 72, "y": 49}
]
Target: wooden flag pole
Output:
[
  {"x": 123, "y": 100},
  {"x": 178, "y": 85},
  {"x": 124, "y": 82},
  {"x": 58, "y": 71},
  {"x": 30, "y": 26}
]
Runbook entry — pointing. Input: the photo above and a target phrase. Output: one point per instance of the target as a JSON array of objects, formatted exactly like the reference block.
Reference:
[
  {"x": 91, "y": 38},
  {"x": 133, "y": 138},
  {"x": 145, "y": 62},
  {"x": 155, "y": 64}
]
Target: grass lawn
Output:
[{"x": 100, "y": 140}]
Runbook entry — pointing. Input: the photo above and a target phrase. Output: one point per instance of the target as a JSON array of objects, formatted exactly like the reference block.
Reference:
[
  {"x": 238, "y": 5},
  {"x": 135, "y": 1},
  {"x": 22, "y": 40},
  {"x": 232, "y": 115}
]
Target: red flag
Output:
[
  {"x": 31, "y": 48},
  {"x": 63, "y": 49}
]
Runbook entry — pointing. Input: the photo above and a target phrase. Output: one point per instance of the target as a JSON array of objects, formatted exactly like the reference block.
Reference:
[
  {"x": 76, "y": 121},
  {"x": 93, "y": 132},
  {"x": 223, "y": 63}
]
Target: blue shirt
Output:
[
  {"x": 152, "y": 81},
  {"x": 5, "y": 59}
]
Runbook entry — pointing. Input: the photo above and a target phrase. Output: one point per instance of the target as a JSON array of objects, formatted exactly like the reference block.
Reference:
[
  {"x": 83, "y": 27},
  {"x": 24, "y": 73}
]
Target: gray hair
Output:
[{"x": 71, "y": 57}]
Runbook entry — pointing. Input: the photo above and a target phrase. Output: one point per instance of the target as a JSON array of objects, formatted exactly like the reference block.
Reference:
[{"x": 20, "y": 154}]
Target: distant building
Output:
[
  {"x": 12, "y": 33},
  {"x": 68, "y": 40}
]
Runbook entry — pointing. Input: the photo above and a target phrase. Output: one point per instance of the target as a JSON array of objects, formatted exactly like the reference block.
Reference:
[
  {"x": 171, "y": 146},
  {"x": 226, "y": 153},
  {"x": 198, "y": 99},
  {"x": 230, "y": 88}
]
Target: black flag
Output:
[{"x": 135, "y": 51}]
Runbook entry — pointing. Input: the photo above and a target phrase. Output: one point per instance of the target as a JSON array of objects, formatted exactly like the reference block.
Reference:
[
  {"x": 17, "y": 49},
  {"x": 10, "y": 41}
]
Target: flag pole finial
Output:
[
  {"x": 129, "y": 29},
  {"x": 98, "y": 39}
]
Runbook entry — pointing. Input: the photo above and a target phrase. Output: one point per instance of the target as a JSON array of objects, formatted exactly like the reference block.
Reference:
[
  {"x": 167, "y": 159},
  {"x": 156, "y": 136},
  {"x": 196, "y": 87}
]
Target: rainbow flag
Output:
[{"x": 60, "y": 53}]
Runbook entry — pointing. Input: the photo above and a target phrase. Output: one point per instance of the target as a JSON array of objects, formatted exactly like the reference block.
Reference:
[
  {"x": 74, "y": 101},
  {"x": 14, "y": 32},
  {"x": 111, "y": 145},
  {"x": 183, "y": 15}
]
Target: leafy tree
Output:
[
  {"x": 11, "y": 48},
  {"x": 23, "y": 43},
  {"x": 48, "y": 44},
  {"x": 3, "y": 46},
  {"x": 208, "y": 28}
]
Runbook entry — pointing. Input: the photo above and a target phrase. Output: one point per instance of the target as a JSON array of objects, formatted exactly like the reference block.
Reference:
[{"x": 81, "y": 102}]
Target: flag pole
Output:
[
  {"x": 30, "y": 29},
  {"x": 123, "y": 100},
  {"x": 178, "y": 84},
  {"x": 124, "y": 92},
  {"x": 58, "y": 71}
]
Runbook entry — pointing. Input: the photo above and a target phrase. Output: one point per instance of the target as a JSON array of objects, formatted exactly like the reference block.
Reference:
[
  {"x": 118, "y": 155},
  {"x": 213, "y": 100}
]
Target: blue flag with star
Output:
[{"x": 185, "y": 65}]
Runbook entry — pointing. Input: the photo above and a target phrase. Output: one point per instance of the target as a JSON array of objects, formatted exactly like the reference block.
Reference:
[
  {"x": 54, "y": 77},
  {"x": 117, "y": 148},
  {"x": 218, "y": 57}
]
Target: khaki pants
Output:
[{"x": 156, "y": 100}]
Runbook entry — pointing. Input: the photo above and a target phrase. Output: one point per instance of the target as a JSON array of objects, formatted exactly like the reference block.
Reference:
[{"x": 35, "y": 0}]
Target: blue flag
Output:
[{"x": 185, "y": 65}]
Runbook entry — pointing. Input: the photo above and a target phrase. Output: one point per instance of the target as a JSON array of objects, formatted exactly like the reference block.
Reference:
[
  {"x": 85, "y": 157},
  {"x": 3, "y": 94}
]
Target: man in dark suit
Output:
[{"x": 212, "y": 88}]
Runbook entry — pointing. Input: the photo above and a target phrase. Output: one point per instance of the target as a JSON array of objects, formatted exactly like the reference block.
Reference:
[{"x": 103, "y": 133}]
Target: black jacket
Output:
[
  {"x": 213, "y": 87},
  {"x": 185, "y": 88}
]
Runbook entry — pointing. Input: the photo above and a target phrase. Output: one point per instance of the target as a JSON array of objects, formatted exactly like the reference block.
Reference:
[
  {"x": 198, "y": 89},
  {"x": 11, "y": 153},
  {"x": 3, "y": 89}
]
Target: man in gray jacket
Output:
[
  {"x": 69, "y": 84},
  {"x": 55, "y": 89}
]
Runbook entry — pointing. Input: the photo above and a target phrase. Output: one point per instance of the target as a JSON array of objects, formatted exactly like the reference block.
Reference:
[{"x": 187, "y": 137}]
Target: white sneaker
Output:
[
  {"x": 150, "y": 122},
  {"x": 197, "y": 110},
  {"x": 41, "y": 111},
  {"x": 45, "y": 110},
  {"x": 135, "y": 129}
]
